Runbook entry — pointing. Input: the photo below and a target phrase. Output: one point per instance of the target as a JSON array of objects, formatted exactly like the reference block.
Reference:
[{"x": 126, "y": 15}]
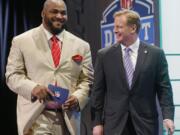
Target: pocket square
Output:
[
  {"x": 60, "y": 94},
  {"x": 77, "y": 58}
]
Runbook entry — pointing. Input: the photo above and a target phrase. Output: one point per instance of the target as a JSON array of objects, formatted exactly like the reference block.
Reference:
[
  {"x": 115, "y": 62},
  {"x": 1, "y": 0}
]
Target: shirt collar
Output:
[
  {"x": 134, "y": 47},
  {"x": 49, "y": 35}
]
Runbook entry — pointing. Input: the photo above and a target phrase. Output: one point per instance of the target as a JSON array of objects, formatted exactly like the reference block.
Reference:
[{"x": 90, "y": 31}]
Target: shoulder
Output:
[
  {"x": 75, "y": 39},
  {"x": 107, "y": 49},
  {"x": 152, "y": 48},
  {"x": 26, "y": 35}
]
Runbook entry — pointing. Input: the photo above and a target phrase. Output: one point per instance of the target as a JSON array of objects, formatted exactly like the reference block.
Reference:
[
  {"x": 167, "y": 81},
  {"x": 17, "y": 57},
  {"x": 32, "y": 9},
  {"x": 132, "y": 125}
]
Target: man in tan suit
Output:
[{"x": 31, "y": 68}]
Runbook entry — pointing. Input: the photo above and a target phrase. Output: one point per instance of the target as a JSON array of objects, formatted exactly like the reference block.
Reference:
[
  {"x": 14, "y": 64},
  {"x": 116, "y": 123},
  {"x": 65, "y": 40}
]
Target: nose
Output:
[
  {"x": 59, "y": 15},
  {"x": 115, "y": 30}
]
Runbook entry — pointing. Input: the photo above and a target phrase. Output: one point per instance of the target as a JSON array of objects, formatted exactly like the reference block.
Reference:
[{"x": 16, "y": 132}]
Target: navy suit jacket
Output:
[{"x": 112, "y": 101}]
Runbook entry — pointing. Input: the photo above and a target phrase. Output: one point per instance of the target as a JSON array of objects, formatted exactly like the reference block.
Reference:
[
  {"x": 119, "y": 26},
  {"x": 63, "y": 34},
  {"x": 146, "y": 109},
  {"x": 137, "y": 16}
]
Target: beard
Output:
[
  {"x": 51, "y": 26},
  {"x": 55, "y": 30}
]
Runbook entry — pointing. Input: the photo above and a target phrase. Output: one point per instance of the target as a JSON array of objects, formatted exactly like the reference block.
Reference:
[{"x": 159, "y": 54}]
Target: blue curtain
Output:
[{"x": 16, "y": 16}]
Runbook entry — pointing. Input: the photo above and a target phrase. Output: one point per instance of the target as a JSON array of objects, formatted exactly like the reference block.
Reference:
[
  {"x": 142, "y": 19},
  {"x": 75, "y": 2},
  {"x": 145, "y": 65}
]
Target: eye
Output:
[
  {"x": 63, "y": 12},
  {"x": 54, "y": 11}
]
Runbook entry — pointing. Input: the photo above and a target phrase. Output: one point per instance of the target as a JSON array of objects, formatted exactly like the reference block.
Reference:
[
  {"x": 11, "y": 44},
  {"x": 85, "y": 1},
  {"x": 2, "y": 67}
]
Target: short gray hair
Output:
[{"x": 133, "y": 18}]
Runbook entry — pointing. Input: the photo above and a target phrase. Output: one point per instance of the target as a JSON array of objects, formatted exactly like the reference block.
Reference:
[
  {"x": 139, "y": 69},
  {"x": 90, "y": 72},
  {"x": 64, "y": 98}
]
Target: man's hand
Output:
[
  {"x": 71, "y": 103},
  {"x": 98, "y": 130},
  {"x": 169, "y": 126},
  {"x": 41, "y": 92}
]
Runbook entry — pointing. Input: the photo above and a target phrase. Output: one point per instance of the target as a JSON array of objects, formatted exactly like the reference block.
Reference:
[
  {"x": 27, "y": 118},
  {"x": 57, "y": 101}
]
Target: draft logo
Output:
[{"x": 144, "y": 7}]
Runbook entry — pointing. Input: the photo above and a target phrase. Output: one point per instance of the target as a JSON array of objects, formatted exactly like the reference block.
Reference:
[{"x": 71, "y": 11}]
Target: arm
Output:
[
  {"x": 16, "y": 77},
  {"x": 85, "y": 80},
  {"x": 165, "y": 94},
  {"x": 97, "y": 96}
]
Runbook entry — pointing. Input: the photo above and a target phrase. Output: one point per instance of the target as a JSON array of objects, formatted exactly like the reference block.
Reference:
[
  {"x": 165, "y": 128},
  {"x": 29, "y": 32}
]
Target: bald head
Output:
[
  {"x": 47, "y": 2},
  {"x": 54, "y": 15}
]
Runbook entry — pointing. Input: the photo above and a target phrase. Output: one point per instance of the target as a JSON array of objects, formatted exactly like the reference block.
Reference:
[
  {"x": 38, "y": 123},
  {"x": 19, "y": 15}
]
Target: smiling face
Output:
[
  {"x": 122, "y": 30},
  {"x": 126, "y": 26},
  {"x": 54, "y": 16}
]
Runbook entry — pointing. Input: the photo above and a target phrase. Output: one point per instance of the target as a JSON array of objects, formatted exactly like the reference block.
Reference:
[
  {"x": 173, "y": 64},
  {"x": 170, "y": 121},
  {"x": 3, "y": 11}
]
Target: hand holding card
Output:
[{"x": 60, "y": 94}]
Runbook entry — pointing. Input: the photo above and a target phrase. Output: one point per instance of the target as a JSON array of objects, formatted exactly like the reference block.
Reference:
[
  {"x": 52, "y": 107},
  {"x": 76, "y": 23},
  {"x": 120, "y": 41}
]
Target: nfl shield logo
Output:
[
  {"x": 144, "y": 7},
  {"x": 57, "y": 94},
  {"x": 126, "y": 4}
]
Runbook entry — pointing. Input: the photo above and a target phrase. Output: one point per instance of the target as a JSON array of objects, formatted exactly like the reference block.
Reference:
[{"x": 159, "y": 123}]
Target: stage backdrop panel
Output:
[{"x": 170, "y": 22}]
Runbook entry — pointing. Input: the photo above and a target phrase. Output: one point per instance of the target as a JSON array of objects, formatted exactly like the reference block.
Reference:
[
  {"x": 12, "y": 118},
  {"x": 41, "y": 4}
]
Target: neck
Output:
[
  {"x": 130, "y": 41},
  {"x": 52, "y": 31}
]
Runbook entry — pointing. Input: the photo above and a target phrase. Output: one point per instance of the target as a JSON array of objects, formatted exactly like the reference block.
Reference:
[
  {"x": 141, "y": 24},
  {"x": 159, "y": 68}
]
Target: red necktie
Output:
[{"x": 55, "y": 50}]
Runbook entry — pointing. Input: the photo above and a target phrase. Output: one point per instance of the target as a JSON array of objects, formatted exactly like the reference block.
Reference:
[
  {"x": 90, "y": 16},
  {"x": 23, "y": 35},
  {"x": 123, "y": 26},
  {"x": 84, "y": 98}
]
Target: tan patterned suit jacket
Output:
[{"x": 30, "y": 63}]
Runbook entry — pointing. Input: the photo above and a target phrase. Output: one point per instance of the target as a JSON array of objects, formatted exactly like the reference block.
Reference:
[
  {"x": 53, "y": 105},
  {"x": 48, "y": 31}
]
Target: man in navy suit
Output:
[{"x": 128, "y": 76}]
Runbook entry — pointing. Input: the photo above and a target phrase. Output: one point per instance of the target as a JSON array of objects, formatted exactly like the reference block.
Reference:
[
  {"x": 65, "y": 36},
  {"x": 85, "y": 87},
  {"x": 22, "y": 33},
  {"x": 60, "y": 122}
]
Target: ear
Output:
[
  {"x": 133, "y": 28},
  {"x": 42, "y": 14}
]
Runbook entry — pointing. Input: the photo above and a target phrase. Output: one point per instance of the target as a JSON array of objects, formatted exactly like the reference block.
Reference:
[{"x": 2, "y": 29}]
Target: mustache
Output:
[{"x": 59, "y": 20}]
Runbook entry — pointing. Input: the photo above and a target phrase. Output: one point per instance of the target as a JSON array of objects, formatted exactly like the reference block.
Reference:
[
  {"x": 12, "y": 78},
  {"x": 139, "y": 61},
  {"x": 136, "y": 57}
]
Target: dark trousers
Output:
[{"x": 129, "y": 128}]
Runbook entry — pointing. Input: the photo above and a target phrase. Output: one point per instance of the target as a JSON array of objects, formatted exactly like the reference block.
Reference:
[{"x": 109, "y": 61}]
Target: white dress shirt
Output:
[{"x": 134, "y": 51}]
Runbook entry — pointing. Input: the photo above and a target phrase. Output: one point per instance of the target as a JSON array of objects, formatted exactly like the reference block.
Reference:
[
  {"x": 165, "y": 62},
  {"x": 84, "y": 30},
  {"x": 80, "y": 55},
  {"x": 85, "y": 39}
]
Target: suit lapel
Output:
[
  {"x": 42, "y": 44},
  {"x": 142, "y": 54},
  {"x": 67, "y": 48},
  {"x": 120, "y": 65}
]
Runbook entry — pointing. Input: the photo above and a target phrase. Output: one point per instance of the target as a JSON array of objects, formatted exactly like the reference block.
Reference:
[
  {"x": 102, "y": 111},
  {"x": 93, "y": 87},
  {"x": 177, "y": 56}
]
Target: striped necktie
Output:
[{"x": 128, "y": 65}]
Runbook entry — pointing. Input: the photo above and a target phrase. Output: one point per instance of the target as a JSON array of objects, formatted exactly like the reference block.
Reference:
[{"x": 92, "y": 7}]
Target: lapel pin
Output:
[{"x": 145, "y": 51}]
